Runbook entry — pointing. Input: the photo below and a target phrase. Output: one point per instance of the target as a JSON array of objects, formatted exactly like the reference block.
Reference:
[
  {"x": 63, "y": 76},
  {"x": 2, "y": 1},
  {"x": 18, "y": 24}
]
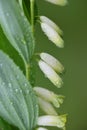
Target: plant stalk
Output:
[
  {"x": 27, "y": 67},
  {"x": 32, "y": 15}
]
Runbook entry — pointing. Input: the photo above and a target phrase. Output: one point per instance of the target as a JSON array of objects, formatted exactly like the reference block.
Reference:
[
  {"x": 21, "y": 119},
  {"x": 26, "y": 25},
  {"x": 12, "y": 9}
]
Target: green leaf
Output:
[
  {"x": 4, "y": 125},
  {"x": 18, "y": 103},
  {"x": 8, "y": 48},
  {"x": 17, "y": 28}
]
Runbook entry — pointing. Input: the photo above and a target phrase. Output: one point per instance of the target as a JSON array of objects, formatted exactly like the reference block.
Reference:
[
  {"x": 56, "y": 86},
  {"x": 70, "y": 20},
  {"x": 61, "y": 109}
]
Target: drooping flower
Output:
[
  {"x": 49, "y": 96},
  {"x": 41, "y": 128},
  {"x": 50, "y": 74},
  {"x": 53, "y": 62},
  {"x": 52, "y": 35},
  {"x": 47, "y": 107},
  {"x": 58, "y": 2},
  {"x": 48, "y": 120},
  {"x": 46, "y": 20}
]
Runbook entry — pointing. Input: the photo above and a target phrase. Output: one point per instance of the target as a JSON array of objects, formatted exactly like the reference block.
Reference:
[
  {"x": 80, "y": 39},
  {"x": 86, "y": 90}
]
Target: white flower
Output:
[
  {"x": 50, "y": 74},
  {"x": 52, "y": 35},
  {"x": 58, "y": 121},
  {"x": 53, "y": 62},
  {"x": 46, "y": 20},
  {"x": 49, "y": 96},
  {"x": 58, "y": 2},
  {"x": 41, "y": 128},
  {"x": 46, "y": 107}
]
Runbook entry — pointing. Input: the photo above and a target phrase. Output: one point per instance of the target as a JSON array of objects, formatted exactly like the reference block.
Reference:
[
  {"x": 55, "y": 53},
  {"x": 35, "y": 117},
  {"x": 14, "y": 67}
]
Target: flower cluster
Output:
[{"x": 52, "y": 68}]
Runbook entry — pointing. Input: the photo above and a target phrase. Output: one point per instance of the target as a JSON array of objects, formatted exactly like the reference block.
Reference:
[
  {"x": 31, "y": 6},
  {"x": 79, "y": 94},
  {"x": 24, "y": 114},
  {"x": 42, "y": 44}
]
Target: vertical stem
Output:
[
  {"x": 32, "y": 14},
  {"x": 27, "y": 67}
]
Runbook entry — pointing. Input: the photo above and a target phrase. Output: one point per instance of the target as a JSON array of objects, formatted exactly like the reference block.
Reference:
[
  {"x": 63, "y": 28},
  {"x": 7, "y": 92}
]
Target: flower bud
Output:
[
  {"x": 53, "y": 62},
  {"x": 46, "y": 107},
  {"x": 46, "y": 20},
  {"x": 50, "y": 74},
  {"x": 58, "y": 2},
  {"x": 48, "y": 120},
  {"x": 49, "y": 96},
  {"x": 52, "y": 35}
]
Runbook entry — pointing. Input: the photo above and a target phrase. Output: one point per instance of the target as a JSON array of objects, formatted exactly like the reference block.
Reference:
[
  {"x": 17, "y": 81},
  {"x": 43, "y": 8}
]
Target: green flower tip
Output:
[{"x": 57, "y": 100}]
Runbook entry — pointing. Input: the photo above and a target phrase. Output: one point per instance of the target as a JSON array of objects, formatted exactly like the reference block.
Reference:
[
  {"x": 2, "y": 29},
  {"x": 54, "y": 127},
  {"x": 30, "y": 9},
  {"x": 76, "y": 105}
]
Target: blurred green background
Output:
[{"x": 73, "y": 21}]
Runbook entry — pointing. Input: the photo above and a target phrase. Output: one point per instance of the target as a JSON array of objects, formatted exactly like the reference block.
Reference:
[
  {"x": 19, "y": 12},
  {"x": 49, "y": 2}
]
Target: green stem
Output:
[
  {"x": 27, "y": 67},
  {"x": 32, "y": 14}
]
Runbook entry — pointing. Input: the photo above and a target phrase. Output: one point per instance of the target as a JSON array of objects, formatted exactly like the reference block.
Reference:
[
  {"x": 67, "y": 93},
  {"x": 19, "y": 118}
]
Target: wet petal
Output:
[
  {"x": 52, "y": 61},
  {"x": 48, "y": 120},
  {"x": 58, "y": 2},
  {"x": 46, "y": 20},
  {"x": 47, "y": 107},
  {"x": 49, "y": 96},
  {"x": 50, "y": 74},
  {"x": 41, "y": 128},
  {"x": 52, "y": 35}
]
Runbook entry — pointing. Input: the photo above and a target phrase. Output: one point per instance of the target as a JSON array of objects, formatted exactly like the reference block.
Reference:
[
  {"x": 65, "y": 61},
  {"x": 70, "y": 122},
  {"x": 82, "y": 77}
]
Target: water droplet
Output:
[
  {"x": 11, "y": 103},
  {"x": 17, "y": 77},
  {"x": 3, "y": 83},
  {"x": 1, "y": 64},
  {"x": 11, "y": 78},
  {"x": 16, "y": 90},
  {"x": 10, "y": 85},
  {"x": 25, "y": 20},
  {"x": 23, "y": 41},
  {"x": 27, "y": 91},
  {"x": 20, "y": 91},
  {"x": 7, "y": 14},
  {"x": 22, "y": 14},
  {"x": 25, "y": 84}
]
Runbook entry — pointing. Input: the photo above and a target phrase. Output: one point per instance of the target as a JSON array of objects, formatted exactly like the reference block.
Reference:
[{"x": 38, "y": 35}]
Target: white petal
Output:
[
  {"x": 58, "y": 121},
  {"x": 58, "y": 2},
  {"x": 46, "y": 107},
  {"x": 41, "y": 128},
  {"x": 46, "y": 20},
  {"x": 49, "y": 96},
  {"x": 53, "y": 62},
  {"x": 50, "y": 74},
  {"x": 52, "y": 35}
]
